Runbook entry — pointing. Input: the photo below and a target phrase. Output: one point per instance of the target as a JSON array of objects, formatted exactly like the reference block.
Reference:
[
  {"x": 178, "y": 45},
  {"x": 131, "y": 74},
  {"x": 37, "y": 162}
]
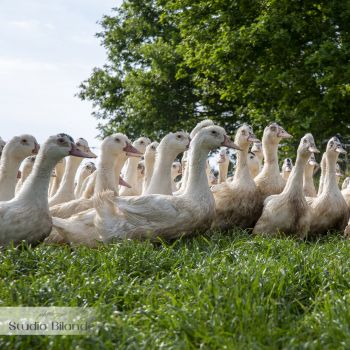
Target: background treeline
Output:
[{"x": 172, "y": 63}]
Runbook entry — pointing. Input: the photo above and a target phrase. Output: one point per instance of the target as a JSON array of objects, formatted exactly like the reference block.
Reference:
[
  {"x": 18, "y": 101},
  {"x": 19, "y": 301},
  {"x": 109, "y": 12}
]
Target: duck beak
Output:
[
  {"x": 340, "y": 149},
  {"x": 283, "y": 134},
  {"x": 230, "y": 144},
  {"x": 122, "y": 182},
  {"x": 36, "y": 148},
  {"x": 253, "y": 138},
  {"x": 76, "y": 152},
  {"x": 131, "y": 151},
  {"x": 90, "y": 153},
  {"x": 313, "y": 149}
]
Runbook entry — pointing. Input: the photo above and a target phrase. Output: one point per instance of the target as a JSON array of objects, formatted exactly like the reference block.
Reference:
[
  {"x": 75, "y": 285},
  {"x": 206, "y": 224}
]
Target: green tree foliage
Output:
[{"x": 171, "y": 63}]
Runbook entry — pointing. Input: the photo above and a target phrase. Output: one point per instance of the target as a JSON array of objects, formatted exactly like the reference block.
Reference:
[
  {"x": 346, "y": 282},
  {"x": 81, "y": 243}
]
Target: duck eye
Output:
[
  {"x": 24, "y": 140},
  {"x": 273, "y": 128},
  {"x": 61, "y": 140},
  {"x": 153, "y": 147},
  {"x": 117, "y": 139},
  {"x": 142, "y": 142},
  {"x": 213, "y": 132},
  {"x": 178, "y": 136}
]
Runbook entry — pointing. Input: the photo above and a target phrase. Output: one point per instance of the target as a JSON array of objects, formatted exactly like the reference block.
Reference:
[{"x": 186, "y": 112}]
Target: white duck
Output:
[
  {"x": 269, "y": 180},
  {"x": 223, "y": 164},
  {"x": 140, "y": 176},
  {"x": 169, "y": 148},
  {"x": 112, "y": 148},
  {"x": 149, "y": 158},
  {"x": 176, "y": 170},
  {"x": 308, "y": 179},
  {"x": 18, "y": 148},
  {"x": 287, "y": 167},
  {"x": 27, "y": 217},
  {"x": 86, "y": 170},
  {"x": 255, "y": 158},
  {"x": 131, "y": 168},
  {"x": 27, "y": 167},
  {"x": 65, "y": 192},
  {"x": 153, "y": 215},
  {"x": 323, "y": 174},
  {"x": 238, "y": 203},
  {"x": 288, "y": 212},
  {"x": 329, "y": 209},
  {"x": 56, "y": 180},
  {"x": 346, "y": 193},
  {"x": 185, "y": 170}
]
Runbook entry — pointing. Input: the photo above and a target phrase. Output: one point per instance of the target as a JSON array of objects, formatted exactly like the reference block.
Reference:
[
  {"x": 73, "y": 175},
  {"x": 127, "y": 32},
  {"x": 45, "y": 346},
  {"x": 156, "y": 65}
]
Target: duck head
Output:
[
  {"x": 141, "y": 169},
  {"x": 20, "y": 147},
  {"x": 141, "y": 144},
  {"x": 176, "y": 169},
  {"x": 335, "y": 146},
  {"x": 223, "y": 157},
  {"x": 245, "y": 136},
  {"x": 212, "y": 137},
  {"x": 83, "y": 146},
  {"x": 307, "y": 146},
  {"x": 274, "y": 133},
  {"x": 2, "y": 145},
  {"x": 287, "y": 165},
  {"x": 178, "y": 141}
]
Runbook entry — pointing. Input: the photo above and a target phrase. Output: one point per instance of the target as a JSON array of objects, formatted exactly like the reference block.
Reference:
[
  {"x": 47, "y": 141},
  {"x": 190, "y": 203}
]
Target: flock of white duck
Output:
[{"x": 54, "y": 202}]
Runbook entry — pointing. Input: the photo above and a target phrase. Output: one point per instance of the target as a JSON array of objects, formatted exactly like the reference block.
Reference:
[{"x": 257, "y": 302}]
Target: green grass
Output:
[{"x": 226, "y": 291}]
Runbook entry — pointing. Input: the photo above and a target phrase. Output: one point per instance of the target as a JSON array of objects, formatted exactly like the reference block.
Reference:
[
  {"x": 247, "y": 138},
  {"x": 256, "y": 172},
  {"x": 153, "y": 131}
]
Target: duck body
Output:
[
  {"x": 238, "y": 203},
  {"x": 289, "y": 212},
  {"x": 155, "y": 215},
  {"x": 329, "y": 209},
  {"x": 269, "y": 180},
  {"x": 27, "y": 217}
]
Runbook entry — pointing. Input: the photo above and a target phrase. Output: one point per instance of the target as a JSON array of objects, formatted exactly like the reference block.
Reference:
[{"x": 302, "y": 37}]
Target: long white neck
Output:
[
  {"x": 120, "y": 161},
  {"x": 270, "y": 151},
  {"x": 106, "y": 174},
  {"x": 36, "y": 187},
  {"x": 330, "y": 181},
  {"x": 223, "y": 168},
  {"x": 8, "y": 176},
  {"x": 161, "y": 179},
  {"x": 131, "y": 171},
  {"x": 149, "y": 168},
  {"x": 67, "y": 183},
  {"x": 308, "y": 176},
  {"x": 57, "y": 179},
  {"x": 82, "y": 176},
  {"x": 294, "y": 184},
  {"x": 197, "y": 184},
  {"x": 323, "y": 173},
  {"x": 242, "y": 170},
  {"x": 185, "y": 173}
]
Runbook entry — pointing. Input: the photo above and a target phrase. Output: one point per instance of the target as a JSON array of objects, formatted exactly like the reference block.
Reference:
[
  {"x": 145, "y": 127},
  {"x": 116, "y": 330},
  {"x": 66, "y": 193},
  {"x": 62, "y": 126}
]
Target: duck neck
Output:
[
  {"x": 8, "y": 176},
  {"x": 106, "y": 174},
  {"x": 131, "y": 170},
  {"x": 149, "y": 167},
  {"x": 223, "y": 168},
  {"x": 197, "y": 182},
  {"x": 242, "y": 169},
  {"x": 308, "y": 176},
  {"x": 330, "y": 180},
  {"x": 67, "y": 183},
  {"x": 161, "y": 179},
  {"x": 323, "y": 173},
  {"x": 295, "y": 180},
  {"x": 120, "y": 161},
  {"x": 270, "y": 151},
  {"x": 37, "y": 185}
]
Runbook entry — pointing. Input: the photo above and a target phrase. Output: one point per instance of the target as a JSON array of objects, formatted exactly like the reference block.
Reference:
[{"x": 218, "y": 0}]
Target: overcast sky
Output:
[{"x": 47, "y": 48}]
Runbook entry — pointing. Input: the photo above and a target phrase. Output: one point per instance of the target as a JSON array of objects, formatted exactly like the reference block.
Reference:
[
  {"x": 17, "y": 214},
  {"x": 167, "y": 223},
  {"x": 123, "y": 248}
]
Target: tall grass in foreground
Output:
[{"x": 226, "y": 291}]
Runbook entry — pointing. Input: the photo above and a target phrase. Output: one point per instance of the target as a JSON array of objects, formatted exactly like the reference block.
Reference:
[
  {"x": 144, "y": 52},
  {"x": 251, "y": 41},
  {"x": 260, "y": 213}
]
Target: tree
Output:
[{"x": 171, "y": 63}]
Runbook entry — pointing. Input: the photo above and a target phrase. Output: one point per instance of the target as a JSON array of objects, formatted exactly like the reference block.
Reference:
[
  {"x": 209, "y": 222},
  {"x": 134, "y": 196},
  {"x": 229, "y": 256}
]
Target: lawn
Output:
[{"x": 226, "y": 291}]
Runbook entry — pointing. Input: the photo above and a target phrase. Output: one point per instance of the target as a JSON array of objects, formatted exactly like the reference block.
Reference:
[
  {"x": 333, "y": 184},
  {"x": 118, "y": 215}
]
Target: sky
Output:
[{"x": 47, "y": 48}]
